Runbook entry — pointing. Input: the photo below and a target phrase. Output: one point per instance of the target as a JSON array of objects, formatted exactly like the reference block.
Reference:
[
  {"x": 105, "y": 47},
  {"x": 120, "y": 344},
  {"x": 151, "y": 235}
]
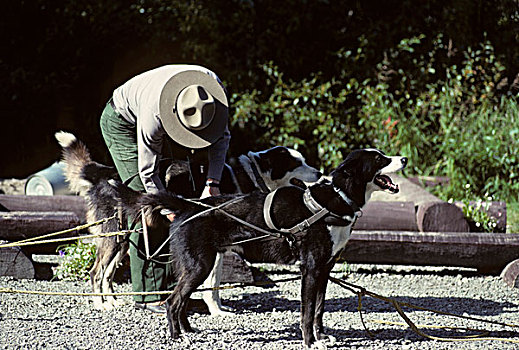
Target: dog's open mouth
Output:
[
  {"x": 298, "y": 183},
  {"x": 385, "y": 183}
]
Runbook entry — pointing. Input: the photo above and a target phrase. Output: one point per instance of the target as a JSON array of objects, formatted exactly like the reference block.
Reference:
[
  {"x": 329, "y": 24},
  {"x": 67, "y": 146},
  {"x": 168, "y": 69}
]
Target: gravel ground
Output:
[
  {"x": 268, "y": 318},
  {"x": 12, "y": 186}
]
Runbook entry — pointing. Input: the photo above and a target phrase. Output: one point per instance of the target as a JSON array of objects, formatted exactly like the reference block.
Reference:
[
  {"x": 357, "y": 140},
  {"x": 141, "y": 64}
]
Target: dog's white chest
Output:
[{"x": 339, "y": 236}]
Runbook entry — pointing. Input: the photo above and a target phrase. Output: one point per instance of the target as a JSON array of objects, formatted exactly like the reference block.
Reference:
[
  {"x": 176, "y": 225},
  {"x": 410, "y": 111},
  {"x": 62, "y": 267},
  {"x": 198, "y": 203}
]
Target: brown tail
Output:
[{"x": 80, "y": 171}]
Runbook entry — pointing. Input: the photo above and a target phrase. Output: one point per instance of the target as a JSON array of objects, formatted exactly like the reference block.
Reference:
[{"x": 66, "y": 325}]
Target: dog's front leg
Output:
[
  {"x": 322, "y": 283},
  {"x": 309, "y": 291}
]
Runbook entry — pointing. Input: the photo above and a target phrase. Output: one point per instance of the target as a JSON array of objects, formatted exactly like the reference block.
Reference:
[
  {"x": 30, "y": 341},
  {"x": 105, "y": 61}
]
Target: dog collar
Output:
[
  {"x": 310, "y": 202},
  {"x": 348, "y": 201}
]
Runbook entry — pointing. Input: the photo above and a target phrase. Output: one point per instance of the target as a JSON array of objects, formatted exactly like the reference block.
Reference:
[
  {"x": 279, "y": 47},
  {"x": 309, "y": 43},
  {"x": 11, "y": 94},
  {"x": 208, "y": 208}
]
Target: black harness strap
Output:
[{"x": 315, "y": 208}]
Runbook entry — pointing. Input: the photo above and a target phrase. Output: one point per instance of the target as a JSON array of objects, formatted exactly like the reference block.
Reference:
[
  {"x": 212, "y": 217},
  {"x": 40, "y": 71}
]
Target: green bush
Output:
[
  {"x": 452, "y": 123},
  {"x": 306, "y": 115},
  {"x": 456, "y": 127},
  {"x": 75, "y": 261}
]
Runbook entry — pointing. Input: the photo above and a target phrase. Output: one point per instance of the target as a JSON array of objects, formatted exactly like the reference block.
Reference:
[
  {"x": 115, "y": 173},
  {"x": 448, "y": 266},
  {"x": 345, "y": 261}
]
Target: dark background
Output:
[{"x": 61, "y": 59}]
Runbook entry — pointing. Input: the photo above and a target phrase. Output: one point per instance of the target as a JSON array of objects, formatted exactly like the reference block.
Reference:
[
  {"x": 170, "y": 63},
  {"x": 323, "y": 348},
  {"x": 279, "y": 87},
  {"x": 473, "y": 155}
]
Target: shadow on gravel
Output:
[
  {"x": 403, "y": 333},
  {"x": 419, "y": 272},
  {"x": 289, "y": 332},
  {"x": 267, "y": 302}
]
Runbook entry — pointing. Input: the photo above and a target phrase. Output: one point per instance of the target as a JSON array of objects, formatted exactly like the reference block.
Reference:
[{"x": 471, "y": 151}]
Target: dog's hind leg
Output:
[
  {"x": 176, "y": 306},
  {"x": 96, "y": 275},
  {"x": 97, "y": 272},
  {"x": 212, "y": 297},
  {"x": 191, "y": 276},
  {"x": 108, "y": 276},
  {"x": 106, "y": 250}
]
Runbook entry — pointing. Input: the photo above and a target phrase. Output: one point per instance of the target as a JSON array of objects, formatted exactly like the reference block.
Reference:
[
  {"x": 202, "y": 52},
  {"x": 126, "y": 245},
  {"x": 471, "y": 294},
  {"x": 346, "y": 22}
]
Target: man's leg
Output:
[{"x": 121, "y": 140}]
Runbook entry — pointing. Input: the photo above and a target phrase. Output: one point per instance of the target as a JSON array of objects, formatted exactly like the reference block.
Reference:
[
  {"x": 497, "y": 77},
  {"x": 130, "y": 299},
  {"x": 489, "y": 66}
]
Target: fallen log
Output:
[
  {"x": 18, "y": 225},
  {"x": 14, "y": 262},
  {"x": 510, "y": 274},
  {"x": 377, "y": 215},
  {"x": 488, "y": 252},
  {"x": 429, "y": 181},
  {"x": 236, "y": 270},
  {"x": 390, "y": 216},
  {"x": 75, "y": 204},
  {"x": 440, "y": 217}
]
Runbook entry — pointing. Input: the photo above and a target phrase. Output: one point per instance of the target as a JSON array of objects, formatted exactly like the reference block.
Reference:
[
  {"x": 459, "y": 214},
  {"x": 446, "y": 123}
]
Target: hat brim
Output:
[{"x": 170, "y": 120}]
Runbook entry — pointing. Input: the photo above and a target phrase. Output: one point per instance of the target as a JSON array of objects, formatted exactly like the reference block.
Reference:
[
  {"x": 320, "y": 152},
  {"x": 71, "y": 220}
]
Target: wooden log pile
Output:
[
  {"x": 27, "y": 217},
  {"x": 411, "y": 227}
]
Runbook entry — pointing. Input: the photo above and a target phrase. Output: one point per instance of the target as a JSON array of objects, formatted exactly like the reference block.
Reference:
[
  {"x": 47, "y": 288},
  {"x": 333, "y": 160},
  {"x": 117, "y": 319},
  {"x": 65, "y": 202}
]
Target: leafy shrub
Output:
[
  {"x": 456, "y": 126},
  {"x": 75, "y": 261},
  {"x": 307, "y": 115}
]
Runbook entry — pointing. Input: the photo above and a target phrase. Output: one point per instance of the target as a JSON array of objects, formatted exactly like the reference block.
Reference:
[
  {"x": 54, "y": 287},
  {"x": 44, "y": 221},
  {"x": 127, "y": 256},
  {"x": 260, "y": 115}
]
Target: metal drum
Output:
[{"x": 48, "y": 182}]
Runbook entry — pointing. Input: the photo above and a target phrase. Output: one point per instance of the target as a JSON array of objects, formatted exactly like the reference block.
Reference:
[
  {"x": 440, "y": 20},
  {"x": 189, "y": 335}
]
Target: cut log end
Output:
[
  {"x": 510, "y": 274},
  {"x": 13, "y": 262},
  {"x": 441, "y": 217}
]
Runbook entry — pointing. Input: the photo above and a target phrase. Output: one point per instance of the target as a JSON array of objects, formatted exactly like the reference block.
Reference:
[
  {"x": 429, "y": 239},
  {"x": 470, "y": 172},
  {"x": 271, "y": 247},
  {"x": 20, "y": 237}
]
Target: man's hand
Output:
[
  {"x": 212, "y": 188},
  {"x": 171, "y": 217}
]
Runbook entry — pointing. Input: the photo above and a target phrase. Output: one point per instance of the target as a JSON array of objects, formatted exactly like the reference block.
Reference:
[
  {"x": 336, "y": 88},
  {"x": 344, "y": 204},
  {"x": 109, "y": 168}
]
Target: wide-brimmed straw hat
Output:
[{"x": 193, "y": 109}]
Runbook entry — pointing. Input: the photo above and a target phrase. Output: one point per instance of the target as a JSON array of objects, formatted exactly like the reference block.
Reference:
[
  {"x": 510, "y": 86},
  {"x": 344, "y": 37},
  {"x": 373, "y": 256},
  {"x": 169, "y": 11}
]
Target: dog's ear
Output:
[
  {"x": 347, "y": 168},
  {"x": 346, "y": 172},
  {"x": 277, "y": 172},
  {"x": 263, "y": 162}
]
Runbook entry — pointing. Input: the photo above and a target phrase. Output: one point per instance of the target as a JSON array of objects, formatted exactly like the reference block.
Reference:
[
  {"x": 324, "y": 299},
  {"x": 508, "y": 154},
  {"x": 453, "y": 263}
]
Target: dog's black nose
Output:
[{"x": 404, "y": 161}]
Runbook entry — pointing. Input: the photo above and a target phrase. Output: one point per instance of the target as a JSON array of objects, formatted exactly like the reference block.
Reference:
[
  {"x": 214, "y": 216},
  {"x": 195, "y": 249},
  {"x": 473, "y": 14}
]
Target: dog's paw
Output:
[
  {"x": 99, "y": 304},
  {"x": 317, "y": 345},
  {"x": 115, "y": 303},
  {"x": 108, "y": 306},
  {"x": 328, "y": 339},
  {"x": 222, "y": 311}
]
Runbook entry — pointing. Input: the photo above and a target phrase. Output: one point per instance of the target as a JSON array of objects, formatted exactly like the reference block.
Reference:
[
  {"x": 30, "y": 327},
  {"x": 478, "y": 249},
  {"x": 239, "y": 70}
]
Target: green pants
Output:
[{"x": 121, "y": 139}]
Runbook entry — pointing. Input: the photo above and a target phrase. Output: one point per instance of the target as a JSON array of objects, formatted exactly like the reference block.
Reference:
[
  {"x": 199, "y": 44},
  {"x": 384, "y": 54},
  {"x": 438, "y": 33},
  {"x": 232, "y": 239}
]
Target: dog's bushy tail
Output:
[
  {"x": 80, "y": 171},
  {"x": 154, "y": 206}
]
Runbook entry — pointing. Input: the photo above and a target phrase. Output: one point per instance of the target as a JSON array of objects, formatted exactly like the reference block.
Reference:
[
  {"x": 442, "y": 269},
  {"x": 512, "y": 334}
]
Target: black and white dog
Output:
[
  {"x": 313, "y": 226},
  {"x": 266, "y": 170}
]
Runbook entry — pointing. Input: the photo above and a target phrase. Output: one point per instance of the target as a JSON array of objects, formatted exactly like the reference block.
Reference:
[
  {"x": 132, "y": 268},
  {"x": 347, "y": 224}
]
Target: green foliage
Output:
[
  {"x": 512, "y": 216},
  {"x": 75, "y": 261},
  {"x": 307, "y": 115},
  {"x": 458, "y": 126}
]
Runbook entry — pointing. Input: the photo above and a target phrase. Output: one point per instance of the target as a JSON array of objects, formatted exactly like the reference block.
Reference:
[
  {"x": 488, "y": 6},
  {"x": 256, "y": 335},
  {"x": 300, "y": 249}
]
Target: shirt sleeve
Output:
[
  {"x": 150, "y": 136},
  {"x": 216, "y": 155}
]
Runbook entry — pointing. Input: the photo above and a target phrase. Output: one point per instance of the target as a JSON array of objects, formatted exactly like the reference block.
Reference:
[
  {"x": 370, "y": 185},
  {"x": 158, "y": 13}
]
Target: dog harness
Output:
[{"x": 315, "y": 208}]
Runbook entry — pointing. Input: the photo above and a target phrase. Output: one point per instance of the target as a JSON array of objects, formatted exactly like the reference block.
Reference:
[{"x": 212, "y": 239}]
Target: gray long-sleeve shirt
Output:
[{"x": 137, "y": 101}]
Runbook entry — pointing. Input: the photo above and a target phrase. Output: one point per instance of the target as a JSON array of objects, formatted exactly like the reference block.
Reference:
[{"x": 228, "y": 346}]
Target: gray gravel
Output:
[{"x": 267, "y": 318}]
